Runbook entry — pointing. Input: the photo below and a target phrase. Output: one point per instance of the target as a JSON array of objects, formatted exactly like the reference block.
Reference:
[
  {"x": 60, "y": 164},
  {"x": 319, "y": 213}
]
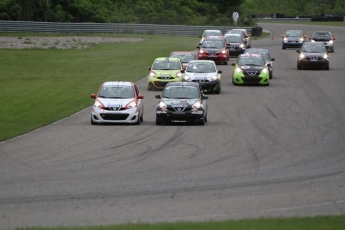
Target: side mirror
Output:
[
  {"x": 198, "y": 47},
  {"x": 205, "y": 97},
  {"x": 219, "y": 71},
  {"x": 233, "y": 64},
  {"x": 298, "y": 51},
  {"x": 140, "y": 96},
  {"x": 272, "y": 59},
  {"x": 200, "y": 36},
  {"x": 268, "y": 64},
  {"x": 283, "y": 36},
  {"x": 93, "y": 95},
  {"x": 182, "y": 71},
  {"x": 158, "y": 96},
  {"x": 149, "y": 68}
]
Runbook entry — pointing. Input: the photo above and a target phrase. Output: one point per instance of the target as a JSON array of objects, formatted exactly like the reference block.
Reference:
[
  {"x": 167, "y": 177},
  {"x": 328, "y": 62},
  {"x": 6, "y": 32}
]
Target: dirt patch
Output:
[{"x": 74, "y": 42}]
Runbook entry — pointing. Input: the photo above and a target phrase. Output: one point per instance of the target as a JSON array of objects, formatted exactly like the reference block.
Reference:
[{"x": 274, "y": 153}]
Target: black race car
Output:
[
  {"x": 312, "y": 55},
  {"x": 182, "y": 102},
  {"x": 326, "y": 38}
]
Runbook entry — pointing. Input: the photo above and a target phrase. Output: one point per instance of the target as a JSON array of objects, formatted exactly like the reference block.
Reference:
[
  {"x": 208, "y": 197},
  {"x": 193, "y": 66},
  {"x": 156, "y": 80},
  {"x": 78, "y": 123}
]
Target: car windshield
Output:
[
  {"x": 322, "y": 35},
  {"x": 166, "y": 65},
  {"x": 233, "y": 39},
  {"x": 181, "y": 92},
  {"x": 185, "y": 58},
  {"x": 201, "y": 68},
  {"x": 314, "y": 48},
  {"x": 212, "y": 44},
  {"x": 293, "y": 34},
  {"x": 114, "y": 91},
  {"x": 256, "y": 61},
  {"x": 212, "y": 33}
]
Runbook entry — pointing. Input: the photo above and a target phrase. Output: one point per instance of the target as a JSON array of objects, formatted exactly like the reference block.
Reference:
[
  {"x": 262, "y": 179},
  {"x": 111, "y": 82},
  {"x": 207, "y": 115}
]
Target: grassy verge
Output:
[
  {"x": 306, "y": 223},
  {"x": 41, "y": 86}
]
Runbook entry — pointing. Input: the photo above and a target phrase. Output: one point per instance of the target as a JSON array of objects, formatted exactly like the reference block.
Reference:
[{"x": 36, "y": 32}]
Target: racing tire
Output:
[
  {"x": 142, "y": 118},
  {"x": 226, "y": 62},
  {"x": 283, "y": 47},
  {"x": 158, "y": 122},
  {"x": 138, "y": 121},
  {"x": 271, "y": 75},
  {"x": 298, "y": 67},
  {"x": 219, "y": 89},
  {"x": 92, "y": 122},
  {"x": 205, "y": 118},
  {"x": 327, "y": 67},
  {"x": 202, "y": 122}
]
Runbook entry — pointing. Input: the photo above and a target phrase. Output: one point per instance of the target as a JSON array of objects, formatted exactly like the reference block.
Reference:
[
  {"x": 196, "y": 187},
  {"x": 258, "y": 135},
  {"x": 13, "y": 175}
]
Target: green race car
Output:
[
  {"x": 250, "y": 69},
  {"x": 163, "y": 71}
]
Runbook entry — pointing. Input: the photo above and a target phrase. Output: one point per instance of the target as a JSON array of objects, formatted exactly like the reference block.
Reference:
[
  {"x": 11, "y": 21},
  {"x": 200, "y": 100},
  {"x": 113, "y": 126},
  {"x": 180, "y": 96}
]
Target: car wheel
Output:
[
  {"x": 142, "y": 118},
  {"x": 219, "y": 89},
  {"x": 327, "y": 67},
  {"x": 202, "y": 122},
  {"x": 283, "y": 47},
  {"x": 226, "y": 62},
  {"x": 271, "y": 75},
  {"x": 298, "y": 67},
  {"x": 158, "y": 122},
  {"x": 205, "y": 118},
  {"x": 138, "y": 121},
  {"x": 92, "y": 122}
]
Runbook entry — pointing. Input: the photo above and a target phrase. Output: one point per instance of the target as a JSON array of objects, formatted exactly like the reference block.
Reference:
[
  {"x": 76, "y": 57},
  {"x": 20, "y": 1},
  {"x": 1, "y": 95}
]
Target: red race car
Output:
[{"x": 214, "y": 48}]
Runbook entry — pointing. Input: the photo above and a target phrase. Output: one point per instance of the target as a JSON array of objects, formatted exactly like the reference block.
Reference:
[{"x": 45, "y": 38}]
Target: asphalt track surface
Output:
[{"x": 264, "y": 152}]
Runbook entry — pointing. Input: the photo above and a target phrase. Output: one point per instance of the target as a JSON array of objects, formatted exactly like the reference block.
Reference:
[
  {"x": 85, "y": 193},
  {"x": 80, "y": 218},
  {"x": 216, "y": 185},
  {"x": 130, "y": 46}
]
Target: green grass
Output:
[
  {"x": 41, "y": 86},
  {"x": 305, "y": 223}
]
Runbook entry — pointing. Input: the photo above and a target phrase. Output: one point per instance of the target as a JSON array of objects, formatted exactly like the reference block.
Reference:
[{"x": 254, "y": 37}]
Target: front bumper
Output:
[
  {"x": 241, "y": 79},
  {"x": 291, "y": 44},
  {"x": 208, "y": 86},
  {"x": 123, "y": 116},
  {"x": 158, "y": 84},
  {"x": 313, "y": 64},
  {"x": 179, "y": 117}
]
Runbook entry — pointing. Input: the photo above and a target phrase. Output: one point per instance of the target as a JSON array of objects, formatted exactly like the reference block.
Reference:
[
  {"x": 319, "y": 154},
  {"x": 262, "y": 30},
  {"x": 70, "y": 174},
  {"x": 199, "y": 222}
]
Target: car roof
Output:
[
  {"x": 203, "y": 61},
  {"x": 117, "y": 83},
  {"x": 256, "y": 50},
  {"x": 212, "y": 31},
  {"x": 214, "y": 37},
  {"x": 185, "y": 83},
  {"x": 168, "y": 59},
  {"x": 182, "y": 52},
  {"x": 251, "y": 55}
]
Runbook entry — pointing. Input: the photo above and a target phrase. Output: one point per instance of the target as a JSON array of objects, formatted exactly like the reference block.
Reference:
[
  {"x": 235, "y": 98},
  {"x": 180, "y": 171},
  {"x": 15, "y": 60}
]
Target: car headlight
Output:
[
  {"x": 238, "y": 70},
  {"x": 179, "y": 74},
  {"x": 202, "y": 51},
  {"x": 264, "y": 70},
  {"x": 312, "y": 40},
  {"x": 301, "y": 56},
  {"x": 214, "y": 78},
  {"x": 98, "y": 104},
  {"x": 186, "y": 78},
  {"x": 196, "y": 105},
  {"x": 131, "y": 105},
  {"x": 223, "y": 52},
  {"x": 286, "y": 39},
  {"x": 331, "y": 42},
  {"x": 301, "y": 40},
  {"x": 325, "y": 56},
  {"x": 242, "y": 46},
  {"x": 152, "y": 74},
  {"x": 162, "y": 105}
]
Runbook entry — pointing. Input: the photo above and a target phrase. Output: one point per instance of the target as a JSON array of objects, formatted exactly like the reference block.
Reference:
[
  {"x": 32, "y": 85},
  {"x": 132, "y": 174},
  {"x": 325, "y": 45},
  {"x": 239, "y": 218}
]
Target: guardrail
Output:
[
  {"x": 75, "y": 28},
  {"x": 284, "y": 19}
]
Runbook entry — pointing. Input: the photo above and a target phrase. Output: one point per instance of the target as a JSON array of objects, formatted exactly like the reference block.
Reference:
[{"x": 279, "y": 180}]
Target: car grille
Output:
[
  {"x": 313, "y": 58},
  {"x": 251, "y": 79},
  {"x": 114, "y": 108},
  {"x": 183, "y": 110},
  {"x": 160, "y": 84},
  {"x": 251, "y": 73},
  {"x": 165, "y": 77},
  {"x": 200, "y": 80},
  {"x": 114, "y": 117},
  {"x": 214, "y": 58}
]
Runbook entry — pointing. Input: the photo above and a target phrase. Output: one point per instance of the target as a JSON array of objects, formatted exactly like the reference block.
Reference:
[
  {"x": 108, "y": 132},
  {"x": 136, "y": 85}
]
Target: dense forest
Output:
[{"x": 174, "y": 12}]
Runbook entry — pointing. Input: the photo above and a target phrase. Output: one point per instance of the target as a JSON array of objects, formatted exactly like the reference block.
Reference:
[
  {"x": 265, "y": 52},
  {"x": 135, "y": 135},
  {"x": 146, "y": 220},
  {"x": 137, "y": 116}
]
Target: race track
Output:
[{"x": 265, "y": 151}]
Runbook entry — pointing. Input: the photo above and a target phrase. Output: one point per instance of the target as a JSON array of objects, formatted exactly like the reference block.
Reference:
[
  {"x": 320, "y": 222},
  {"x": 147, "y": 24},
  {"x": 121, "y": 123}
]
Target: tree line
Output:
[{"x": 171, "y": 12}]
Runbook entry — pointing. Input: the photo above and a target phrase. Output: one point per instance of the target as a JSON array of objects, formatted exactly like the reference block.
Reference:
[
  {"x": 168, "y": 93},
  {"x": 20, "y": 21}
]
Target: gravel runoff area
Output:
[{"x": 68, "y": 42}]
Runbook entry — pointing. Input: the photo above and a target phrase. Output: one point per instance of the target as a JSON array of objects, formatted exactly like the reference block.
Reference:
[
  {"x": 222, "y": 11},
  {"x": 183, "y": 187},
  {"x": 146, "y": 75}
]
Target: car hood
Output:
[
  {"x": 250, "y": 67},
  {"x": 114, "y": 102},
  {"x": 166, "y": 72},
  {"x": 176, "y": 102},
  {"x": 212, "y": 50},
  {"x": 294, "y": 38},
  {"x": 201, "y": 75}
]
